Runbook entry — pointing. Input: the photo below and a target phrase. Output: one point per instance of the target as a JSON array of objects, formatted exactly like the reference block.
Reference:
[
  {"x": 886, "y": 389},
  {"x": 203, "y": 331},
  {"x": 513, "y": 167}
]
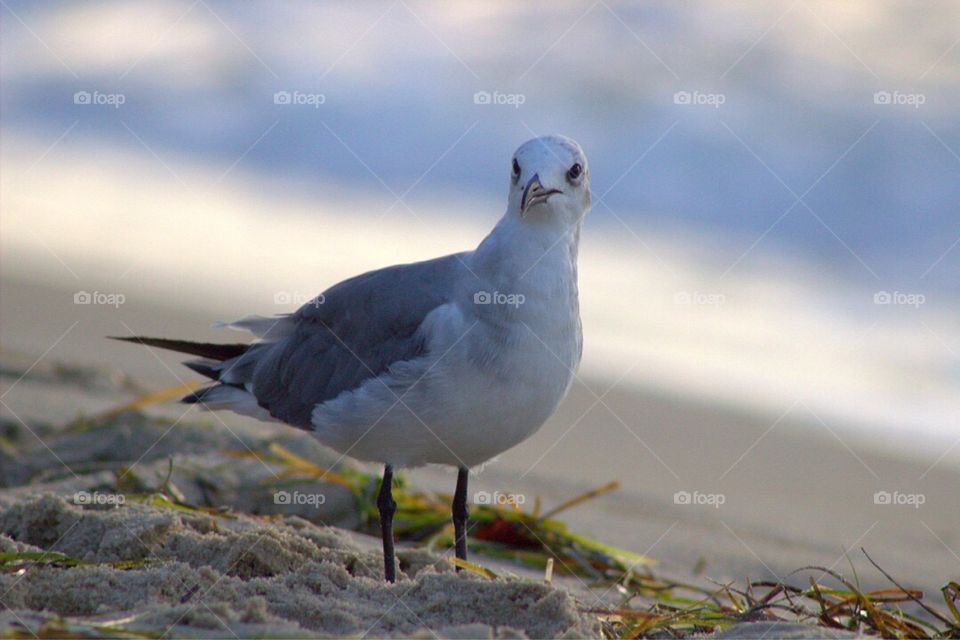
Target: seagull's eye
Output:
[
  {"x": 574, "y": 172},
  {"x": 516, "y": 167}
]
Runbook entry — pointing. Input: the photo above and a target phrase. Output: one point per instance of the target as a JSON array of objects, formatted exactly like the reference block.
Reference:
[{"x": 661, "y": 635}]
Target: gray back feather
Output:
[{"x": 362, "y": 326}]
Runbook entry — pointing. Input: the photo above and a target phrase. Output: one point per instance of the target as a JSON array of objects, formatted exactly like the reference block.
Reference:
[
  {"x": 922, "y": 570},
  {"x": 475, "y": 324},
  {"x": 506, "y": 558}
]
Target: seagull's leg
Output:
[
  {"x": 460, "y": 514},
  {"x": 387, "y": 507}
]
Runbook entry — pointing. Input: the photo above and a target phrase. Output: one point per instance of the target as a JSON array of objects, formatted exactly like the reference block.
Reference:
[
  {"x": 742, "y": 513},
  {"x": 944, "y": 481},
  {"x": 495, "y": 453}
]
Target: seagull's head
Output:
[{"x": 549, "y": 181}]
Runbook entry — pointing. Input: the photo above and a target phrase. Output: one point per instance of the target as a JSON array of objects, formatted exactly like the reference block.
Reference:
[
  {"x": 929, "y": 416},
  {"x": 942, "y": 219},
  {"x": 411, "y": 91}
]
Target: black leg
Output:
[
  {"x": 387, "y": 507},
  {"x": 460, "y": 513}
]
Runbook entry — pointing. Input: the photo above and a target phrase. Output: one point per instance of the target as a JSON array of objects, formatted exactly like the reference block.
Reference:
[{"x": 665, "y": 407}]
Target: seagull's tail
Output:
[
  {"x": 231, "y": 366},
  {"x": 214, "y": 357}
]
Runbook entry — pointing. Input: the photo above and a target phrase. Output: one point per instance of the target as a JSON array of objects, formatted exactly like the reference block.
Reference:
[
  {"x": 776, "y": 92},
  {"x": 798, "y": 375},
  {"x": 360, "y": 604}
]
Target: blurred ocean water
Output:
[{"x": 826, "y": 129}]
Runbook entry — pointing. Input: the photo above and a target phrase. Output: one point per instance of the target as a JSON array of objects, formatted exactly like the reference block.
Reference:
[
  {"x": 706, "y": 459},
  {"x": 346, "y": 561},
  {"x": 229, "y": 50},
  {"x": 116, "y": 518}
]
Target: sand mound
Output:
[
  {"x": 151, "y": 567},
  {"x": 240, "y": 575}
]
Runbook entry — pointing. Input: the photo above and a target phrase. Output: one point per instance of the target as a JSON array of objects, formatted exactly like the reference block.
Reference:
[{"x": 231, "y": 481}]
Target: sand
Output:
[
  {"x": 224, "y": 573},
  {"x": 221, "y": 573},
  {"x": 798, "y": 496},
  {"x": 242, "y": 576}
]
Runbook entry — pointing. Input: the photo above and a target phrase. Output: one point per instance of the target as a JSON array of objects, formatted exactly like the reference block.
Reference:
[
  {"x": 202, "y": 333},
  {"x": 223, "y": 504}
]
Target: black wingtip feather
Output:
[
  {"x": 203, "y": 349},
  {"x": 204, "y": 368}
]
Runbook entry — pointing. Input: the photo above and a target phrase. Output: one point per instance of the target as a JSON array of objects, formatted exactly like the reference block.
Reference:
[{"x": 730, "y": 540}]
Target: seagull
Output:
[{"x": 448, "y": 361}]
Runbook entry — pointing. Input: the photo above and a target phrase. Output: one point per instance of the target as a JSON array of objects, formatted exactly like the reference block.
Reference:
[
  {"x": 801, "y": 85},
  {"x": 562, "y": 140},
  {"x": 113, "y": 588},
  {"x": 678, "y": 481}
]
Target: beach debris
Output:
[{"x": 637, "y": 602}]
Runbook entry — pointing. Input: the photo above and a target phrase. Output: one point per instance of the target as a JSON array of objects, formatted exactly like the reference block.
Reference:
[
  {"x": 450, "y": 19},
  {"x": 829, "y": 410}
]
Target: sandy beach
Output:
[
  {"x": 768, "y": 397},
  {"x": 794, "y": 494}
]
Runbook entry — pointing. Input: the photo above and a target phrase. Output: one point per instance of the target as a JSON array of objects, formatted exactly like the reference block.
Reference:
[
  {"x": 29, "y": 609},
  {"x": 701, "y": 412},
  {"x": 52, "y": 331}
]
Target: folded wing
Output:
[{"x": 351, "y": 333}]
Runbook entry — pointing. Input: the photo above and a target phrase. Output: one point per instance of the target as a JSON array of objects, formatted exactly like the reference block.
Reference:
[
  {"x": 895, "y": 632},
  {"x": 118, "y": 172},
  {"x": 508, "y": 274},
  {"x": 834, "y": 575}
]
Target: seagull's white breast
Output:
[{"x": 495, "y": 368}]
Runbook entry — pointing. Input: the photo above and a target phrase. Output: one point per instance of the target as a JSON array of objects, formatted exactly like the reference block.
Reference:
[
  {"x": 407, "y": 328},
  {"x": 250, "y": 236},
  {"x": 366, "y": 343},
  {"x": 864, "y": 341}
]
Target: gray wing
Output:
[{"x": 354, "y": 333}]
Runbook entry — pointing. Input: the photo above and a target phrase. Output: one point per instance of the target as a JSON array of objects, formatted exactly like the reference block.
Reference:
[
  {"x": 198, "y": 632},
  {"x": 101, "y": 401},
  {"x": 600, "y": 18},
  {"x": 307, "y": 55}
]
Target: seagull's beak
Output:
[{"x": 534, "y": 193}]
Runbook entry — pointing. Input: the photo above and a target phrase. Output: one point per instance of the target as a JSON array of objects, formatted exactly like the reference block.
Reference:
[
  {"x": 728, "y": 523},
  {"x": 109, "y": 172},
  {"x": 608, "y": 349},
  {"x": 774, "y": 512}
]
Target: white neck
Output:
[{"x": 535, "y": 258}]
